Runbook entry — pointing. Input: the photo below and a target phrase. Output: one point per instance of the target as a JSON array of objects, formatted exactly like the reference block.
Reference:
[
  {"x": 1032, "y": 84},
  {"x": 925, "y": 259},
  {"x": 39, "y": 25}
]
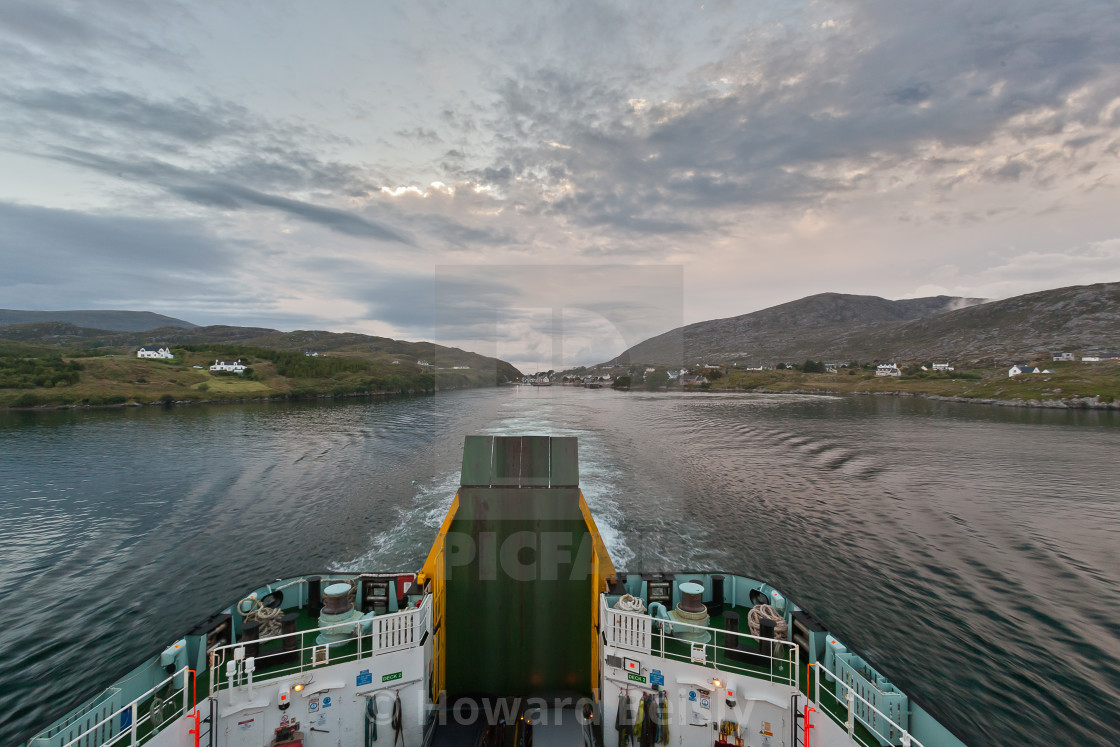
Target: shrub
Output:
[{"x": 28, "y": 399}]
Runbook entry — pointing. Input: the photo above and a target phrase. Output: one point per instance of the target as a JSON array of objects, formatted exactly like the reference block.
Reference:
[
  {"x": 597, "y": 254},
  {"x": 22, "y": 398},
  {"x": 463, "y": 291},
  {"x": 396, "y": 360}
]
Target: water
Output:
[{"x": 973, "y": 553}]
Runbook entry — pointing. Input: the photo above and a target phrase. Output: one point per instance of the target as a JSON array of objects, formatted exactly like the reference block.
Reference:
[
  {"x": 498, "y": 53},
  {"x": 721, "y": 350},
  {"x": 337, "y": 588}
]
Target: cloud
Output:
[
  {"x": 79, "y": 259},
  {"x": 194, "y": 122},
  {"x": 771, "y": 150},
  {"x": 205, "y": 190}
]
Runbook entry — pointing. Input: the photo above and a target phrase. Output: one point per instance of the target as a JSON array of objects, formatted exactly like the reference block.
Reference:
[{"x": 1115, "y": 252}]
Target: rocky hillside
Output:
[
  {"x": 118, "y": 321},
  {"x": 833, "y": 326}
]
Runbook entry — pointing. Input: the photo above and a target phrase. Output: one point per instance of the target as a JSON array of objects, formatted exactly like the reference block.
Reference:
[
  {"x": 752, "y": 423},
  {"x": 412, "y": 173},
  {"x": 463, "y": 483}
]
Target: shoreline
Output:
[
  {"x": 271, "y": 399},
  {"x": 1072, "y": 403}
]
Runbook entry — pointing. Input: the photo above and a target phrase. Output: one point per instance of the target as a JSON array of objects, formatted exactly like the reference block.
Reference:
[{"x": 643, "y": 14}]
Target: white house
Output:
[
  {"x": 887, "y": 369},
  {"x": 694, "y": 380},
  {"x": 236, "y": 367},
  {"x": 1091, "y": 358},
  {"x": 942, "y": 367},
  {"x": 422, "y": 362},
  {"x": 1063, "y": 356},
  {"x": 1021, "y": 368},
  {"x": 154, "y": 351}
]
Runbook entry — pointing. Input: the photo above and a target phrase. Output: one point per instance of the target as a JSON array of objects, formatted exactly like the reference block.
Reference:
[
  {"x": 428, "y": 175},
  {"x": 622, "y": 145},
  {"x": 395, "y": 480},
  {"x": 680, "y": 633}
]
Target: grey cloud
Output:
[
  {"x": 867, "y": 95},
  {"x": 94, "y": 258},
  {"x": 422, "y": 134},
  {"x": 182, "y": 119},
  {"x": 205, "y": 190},
  {"x": 84, "y": 29},
  {"x": 45, "y": 24}
]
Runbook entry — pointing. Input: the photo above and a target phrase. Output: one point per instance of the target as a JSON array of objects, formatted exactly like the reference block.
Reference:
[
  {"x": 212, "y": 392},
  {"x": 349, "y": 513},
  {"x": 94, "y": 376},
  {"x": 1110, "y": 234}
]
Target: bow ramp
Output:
[{"x": 516, "y": 573}]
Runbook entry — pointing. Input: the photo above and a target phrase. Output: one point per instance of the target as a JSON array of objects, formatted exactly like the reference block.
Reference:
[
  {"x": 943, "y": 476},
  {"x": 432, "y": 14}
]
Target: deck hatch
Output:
[
  {"x": 507, "y": 461},
  {"x": 535, "y": 456},
  {"x": 478, "y": 456}
]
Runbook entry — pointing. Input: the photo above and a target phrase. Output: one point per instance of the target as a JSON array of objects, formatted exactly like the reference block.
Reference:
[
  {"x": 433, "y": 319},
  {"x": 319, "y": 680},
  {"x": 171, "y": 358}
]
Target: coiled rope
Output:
[
  {"x": 760, "y": 611},
  {"x": 630, "y": 603},
  {"x": 269, "y": 617}
]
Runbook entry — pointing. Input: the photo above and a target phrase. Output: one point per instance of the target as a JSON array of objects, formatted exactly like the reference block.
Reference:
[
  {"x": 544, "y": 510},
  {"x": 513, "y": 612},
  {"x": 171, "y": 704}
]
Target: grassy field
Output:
[
  {"x": 35, "y": 379},
  {"x": 1069, "y": 380}
]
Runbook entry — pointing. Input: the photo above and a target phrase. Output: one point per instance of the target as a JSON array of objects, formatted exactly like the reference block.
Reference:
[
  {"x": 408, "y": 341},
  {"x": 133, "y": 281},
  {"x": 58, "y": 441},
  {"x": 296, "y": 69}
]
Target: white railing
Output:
[
  {"x": 129, "y": 725},
  {"x": 626, "y": 629},
  {"x": 849, "y": 708},
  {"x": 298, "y": 652},
  {"x": 774, "y": 660}
]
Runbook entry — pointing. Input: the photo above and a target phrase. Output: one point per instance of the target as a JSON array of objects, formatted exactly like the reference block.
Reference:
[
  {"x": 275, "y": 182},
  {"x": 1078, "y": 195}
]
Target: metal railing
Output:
[
  {"x": 294, "y": 653},
  {"x": 849, "y": 709},
  {"x": 772, "y": 659},
  {"x": 132, "y": 724}
]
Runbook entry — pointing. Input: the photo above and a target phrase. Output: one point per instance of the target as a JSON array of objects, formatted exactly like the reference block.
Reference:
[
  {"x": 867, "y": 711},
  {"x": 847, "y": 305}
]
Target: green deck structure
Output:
[{"x": 519, "y": 571}]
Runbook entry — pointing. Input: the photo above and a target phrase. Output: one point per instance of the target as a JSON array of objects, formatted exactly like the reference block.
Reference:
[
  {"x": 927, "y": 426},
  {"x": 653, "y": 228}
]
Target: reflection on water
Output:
[{"x": 972, "y": 552}]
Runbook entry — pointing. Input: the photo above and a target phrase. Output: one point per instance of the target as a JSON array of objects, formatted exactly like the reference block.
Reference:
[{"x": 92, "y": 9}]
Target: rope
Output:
[
  {"x": 156, "y": 713},
  {"x": 371, "y": 720},
  {"x": 663, "y": 704},
  {"x": 630, "y": 603},
  {"x": 764, "y": 610},
  {"x": 397, "y": 721},
  {"x": 624, "y": 721},
  {"x": 268, "y": 617}
]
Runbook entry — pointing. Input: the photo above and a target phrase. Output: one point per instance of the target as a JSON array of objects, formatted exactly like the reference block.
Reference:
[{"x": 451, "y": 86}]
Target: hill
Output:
[
  {"x": 834, "y": 326},
  {"x": 57, "y": 363},
  {"x": 122, "y": 321},
  {"x": 794, "y": 330}
]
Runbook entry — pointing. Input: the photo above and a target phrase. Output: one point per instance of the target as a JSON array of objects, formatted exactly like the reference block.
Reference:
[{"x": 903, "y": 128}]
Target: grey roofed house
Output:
[{"x": 694, "y": 380}]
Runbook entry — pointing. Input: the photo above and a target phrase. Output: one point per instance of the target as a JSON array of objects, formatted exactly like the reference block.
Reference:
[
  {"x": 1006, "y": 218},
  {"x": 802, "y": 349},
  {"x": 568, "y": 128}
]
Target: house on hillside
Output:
[
  {"x": 1090, "y": 359},
  {"x": 1062, "y": 356},
  {"x": 154, "y": 351},
  {"x": 423, "y": 363},
  {"x": 694, "y": 380},
  {"x": 942, "y": 367},
  {"x": 887, "y": 369},
  {"x": 236, "y": 367},
  {"x": 1021, "y": 368}
]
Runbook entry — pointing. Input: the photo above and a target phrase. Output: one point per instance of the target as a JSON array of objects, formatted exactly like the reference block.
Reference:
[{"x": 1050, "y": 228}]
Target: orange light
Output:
[{"x": 297, "y": 688}]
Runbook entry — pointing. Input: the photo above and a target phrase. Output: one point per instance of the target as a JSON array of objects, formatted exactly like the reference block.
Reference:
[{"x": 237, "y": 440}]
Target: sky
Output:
[{"x": 550, "y": 182}]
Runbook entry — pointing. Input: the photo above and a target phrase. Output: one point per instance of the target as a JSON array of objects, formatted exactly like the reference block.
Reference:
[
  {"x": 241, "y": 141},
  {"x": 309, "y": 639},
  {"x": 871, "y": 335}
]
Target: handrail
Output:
[
  {"x": 134, "y": 719},
  {"x": 636, "y": 634},
  {"x": 848, "y": 720},
  {"x": 351, "y": 624},
  {"x": 396, "y": 631}
]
